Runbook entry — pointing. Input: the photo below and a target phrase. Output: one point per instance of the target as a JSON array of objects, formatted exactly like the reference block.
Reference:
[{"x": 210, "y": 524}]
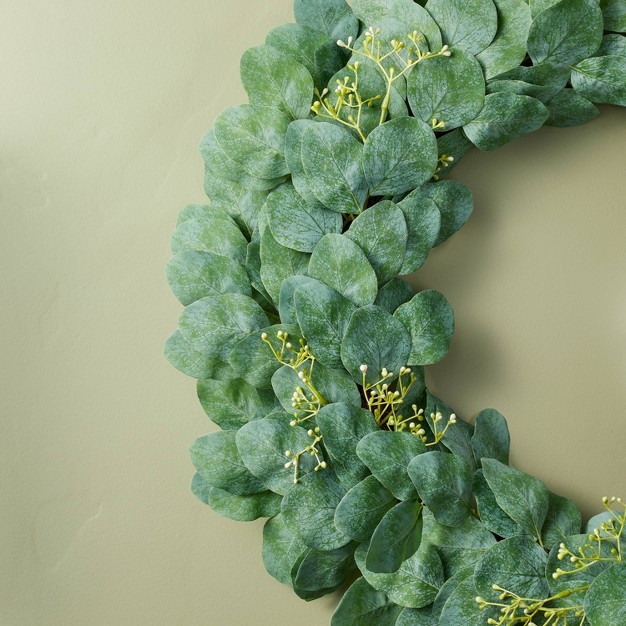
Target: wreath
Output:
[{"x": 308, "y": 347}]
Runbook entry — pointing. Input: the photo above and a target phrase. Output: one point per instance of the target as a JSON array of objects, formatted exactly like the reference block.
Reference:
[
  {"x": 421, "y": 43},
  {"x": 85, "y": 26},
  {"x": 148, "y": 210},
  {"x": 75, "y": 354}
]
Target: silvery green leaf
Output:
[
  {"x": 508, "y": 49},
  {"x": 362, "y": 508},
  {"x": 218, "y": 235},
  {"x": 430, "y": 321},
  {"x": 293, "y": 156},
  {"x": 491, "y": 437},
  {"x": 470, "y": 25},
  {"x": 537, "y": 6},
  {"x": 461, "y": 608},
  {"x": 279, "y": 263},
  {"x": 417, "y": 617},
  {"x": 396, "y": 538},
  {"x": 399, "y": 156},
  {"x": 387, "y": 455},
  {"x": 414, "y": 585},
  {"x": 216, "y": 323},
  {"x": 381, "y": 232},
  {"x": 281, "y": 549},
  {"x": 490, "y": 513},
  {"x": 333, "y": 17},
  {"x": 444, "y": 482},
  {"x": 505, "y": 116},
  {"x": 243, "y": 508},
  {"x": 454, "y": 144},
  {"x": 286, "y": 302},
  {"x": 563, "y": 519},
  {"x": 612, "y": 45},
  {"x": 252, "y": 358},
  {"x": 449, "y": 587},
  {"x": 323, "y": 315},
  {"x": 614, "y": 13},
  {"x": 320, "y": 572},
  {"x": 254, "y": 137},
  {"x": 362, "y": 605},
  {"x": 192, "y": 362},
  {"x": 309, "y": 510},
  {"x": 373, "y": 12},
  {"x": 376, "y": 339},
  {"x": 201, "y": 489},
  {"x": 339, "y": 263},
  {"x": 232, "y": 404},
  {"x": 332, "y": 161},
  {"x": 193, "y": 275},
  {"x": 545, "y": 75},
  {"x": 262, "y": 445},
  {"x": 455, "y": 203},
  {"x": 297, "y": 223},
  {"x": 517, "y": 565},
  {"x": 272, "y": 79},
  {"x": 447, "y": 89},
  {"x": 601, "y": 79},
  {"x": 522, "y": 497},
  {"x": 217, "y": 460},
  {"x": 566, "y": 33},
  {"x": 343, "y": 426},
  {"x": 521, "y": 88},
  {"x": 393, "y": 294}
]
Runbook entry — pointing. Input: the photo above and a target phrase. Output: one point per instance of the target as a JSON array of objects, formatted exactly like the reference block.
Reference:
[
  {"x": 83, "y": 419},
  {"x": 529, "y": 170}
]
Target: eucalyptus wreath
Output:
[{"x": 308, "y": 347}]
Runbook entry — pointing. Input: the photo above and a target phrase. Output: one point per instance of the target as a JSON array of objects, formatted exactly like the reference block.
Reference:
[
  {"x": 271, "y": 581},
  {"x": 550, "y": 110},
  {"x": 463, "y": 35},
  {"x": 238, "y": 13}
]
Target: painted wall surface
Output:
[{"x": 102, "y": 106}]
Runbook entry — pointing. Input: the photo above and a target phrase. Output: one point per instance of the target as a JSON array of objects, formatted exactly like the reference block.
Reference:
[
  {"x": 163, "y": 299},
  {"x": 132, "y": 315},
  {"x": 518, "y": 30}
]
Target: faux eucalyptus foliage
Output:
[{"x": 309, "y": 348}]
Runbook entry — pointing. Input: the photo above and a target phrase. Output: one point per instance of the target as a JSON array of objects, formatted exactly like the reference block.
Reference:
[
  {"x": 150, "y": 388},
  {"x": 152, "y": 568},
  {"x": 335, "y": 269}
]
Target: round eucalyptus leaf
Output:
[
  {"x": 244, "y": 508},
  {"x": 293, "y": 156},
  {"x": 430, "y": 321},
  {"x": 423, "y": 220},
  {"x": 399, "y": 156},
  {"x": 563, "y": 519},
  {"x": 194, "y": 363},
  {"x": 393, "y": 294},
  {"x": 334, "y": 17},
  {"x": 381, "y": 232},
  {"x": 491, "y": 438},
  {"x": 447, "y": 89},
  {"x": 362, "y": 605},
  {"x": 341, "y": 264},
  {"x": 614, "y": 13},
  {"x": 470, "y": 25},
  {"x": 461, "y": 608},
  {"x": 569, "y": 108},
  {"x": 601, "y": 79},
  {"x": 417, "y": 617},
  {"x": 286, "y": 299},
  {"x": 612, "y": 45},
  {"x": 281, "y": 549}
]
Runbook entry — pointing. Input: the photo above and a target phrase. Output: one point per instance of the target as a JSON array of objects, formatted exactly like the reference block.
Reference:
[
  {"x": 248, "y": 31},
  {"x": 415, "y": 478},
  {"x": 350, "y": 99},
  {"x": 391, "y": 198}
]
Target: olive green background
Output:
[{"x": 102, "y": 106}]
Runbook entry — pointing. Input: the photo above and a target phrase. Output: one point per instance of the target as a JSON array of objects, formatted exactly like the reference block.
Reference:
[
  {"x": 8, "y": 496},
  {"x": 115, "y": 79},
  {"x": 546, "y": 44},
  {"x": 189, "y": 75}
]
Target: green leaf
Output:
[
  {"x": 393, "y": 294},
  {"x": 505, "y": 116},
  {"x": 232, "y": 404},
  {"x": 281, "y": 549},
  {"x": 414, "y": 585},
  {"x": 461, "y": 608},
  {"x": 399, "y": 156},
  {"x": 279, "y": 263},
  {"x": 449, "y": 90},
  {"x": 430, "y": 321},
  {"x": 362, "y": 508},
  {"x": 396, "y": 538},
  {"x": 343, "y": 426},
  {"x": 614, "y": 14},
  {"x": 321, "y": 572},
  {"x": 508, "y": 49},
  {"x": 297, "y": 223},
  {"x": 286, "y": 299},
  {"x": 377, "y": 339},
  {"x": 215, "y": 324},
  {"x": 470, "y": 25},
  {"x": 563, "y": 519},
  {"x": 254, "y": 137},
  {"x": 388, "y": 454},
  {"x": 331, "y": 157},
  {"x": 414, "y": 16},
  {"x": 568, "y": 108},
  {"x": 193, "y": 275},
  {"x": 381, "y": 232},
  {"x": 244, "y": 508},
  {"x": 521, "y": 88},
  {"x": 252, "y": 358},
  {"x": 537, "y": 6},
  {"x": 566, "y": 33},
  {"x": 323, "y": 315},
  {"x": 601, "y": 79},
  {"x": 216, "y": 459},
  {"x": 455, "y": 203},
  {"x": 334, "y": 17},
  {"x": 448, "y": 589},
  {"x": 444, "y": 482},
  {"x": 423, "y": 220},
  {"x": 201, "y": 489},
  {"x": 195, "y": 363},
  {"x": 553, "y": 78},
  {"x": 218, "y": 235},
  {"x": 454, "y": 144},
  {"x": 517, "y": 565},
  {"x": 309, "y": 510},
  {"x": 362, "y": 605},
  {"x": 339, "y": 263},
  {"x": 522, "y": 497},
  {"x": 612, "y": 45},
  {"x": 491, "y": 437},
  {"x": 273, "y": 79},
  {"x": 293, "y": 156},
  {"x": 417, "y": 617}
]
